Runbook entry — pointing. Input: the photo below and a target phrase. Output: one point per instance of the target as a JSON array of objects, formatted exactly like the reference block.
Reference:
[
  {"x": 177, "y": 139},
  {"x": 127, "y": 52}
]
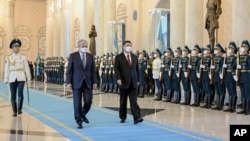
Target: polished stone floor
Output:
[{"x": 204, "y": 121}]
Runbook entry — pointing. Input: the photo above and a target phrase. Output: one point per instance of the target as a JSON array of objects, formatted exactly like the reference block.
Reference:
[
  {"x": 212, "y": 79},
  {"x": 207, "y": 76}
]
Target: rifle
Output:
[
  {"x": 238, "y": 71},
  {"x": 188, "y": 69},
  {"x": 212, "y": 71},
  {"x": 224, "y": 69},
  {"x": 179, "y": 70},
  {"x": 201, "y": 70}
]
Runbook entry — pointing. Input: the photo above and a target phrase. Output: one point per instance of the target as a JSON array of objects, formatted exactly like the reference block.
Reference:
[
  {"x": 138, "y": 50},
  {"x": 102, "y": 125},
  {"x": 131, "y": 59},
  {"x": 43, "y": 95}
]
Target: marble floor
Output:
[{"x": 204, "y": 121}]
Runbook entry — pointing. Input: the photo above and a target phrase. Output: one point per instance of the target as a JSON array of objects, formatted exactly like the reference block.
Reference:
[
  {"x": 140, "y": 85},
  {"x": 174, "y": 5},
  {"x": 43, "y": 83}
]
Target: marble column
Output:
[
  {"x": 177, "y": 26},
  {"x": 110, "y": 15},
  {"x": 57, "y": 29},
  {"x": 65, "y": 29},
  {"x": 10, "y": 23},
  {"x": 241, "y": 21},
  {"x": 99, "y": 24},
  {"x": 194, "y": 22},
  {"x": 49, "y": 29}
]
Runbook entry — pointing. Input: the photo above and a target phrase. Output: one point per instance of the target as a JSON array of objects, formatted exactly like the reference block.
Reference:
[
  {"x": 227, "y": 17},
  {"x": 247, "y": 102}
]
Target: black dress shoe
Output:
[
  {"x": 84, "y": 119},
  {"x": 20, "y": 112},
  {"x": 14, "y": 115},
  {"x": 138, "y": 120},
  {"x": 79, "y": 124},
  {"x": 122, "y": 121}
]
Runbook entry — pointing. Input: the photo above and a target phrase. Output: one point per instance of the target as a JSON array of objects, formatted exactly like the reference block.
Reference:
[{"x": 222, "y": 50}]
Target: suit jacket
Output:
[
  {"x": 76, "y": 73},
  {"x": 126, "y": 73}
]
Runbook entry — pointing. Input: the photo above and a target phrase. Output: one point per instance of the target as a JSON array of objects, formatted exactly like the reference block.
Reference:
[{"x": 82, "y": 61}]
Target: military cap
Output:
[
  {"x": 196, "y": 47},
  {"x": 108, "y": 55},
  {"x": 208, "y": 47},
  {"x": 218, "y": 46},
  {"x": 144, "y": 53},
  {"x": 15, "y": 42},
  {"x": 178, "y": 49},
  {"x": 158, "y": 51},
  {"x": 187, "y": 49},
  {"x": 169, "y": 50},
  {"x": 245, "y": 43},
  {"x": 233, "y": 45}
]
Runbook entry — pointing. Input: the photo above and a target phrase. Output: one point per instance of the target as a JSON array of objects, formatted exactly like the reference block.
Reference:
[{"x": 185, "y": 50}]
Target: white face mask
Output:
[
  {"x": 216, "y": 51},
  {"x": 183, "y": 53},
  {"x": 229, "y": 51},
  {"x": 155, "y": 55},
  {"x": 166, "y": 54},
  {"x": 242, "y": 50},
  {"x": 205, "y": 52},
  {"x": 84, "y": 50},
  {"x": 128, "y": 49},
  {"x": 194, "y": 53},
  {"x": 175, "y": 54}
]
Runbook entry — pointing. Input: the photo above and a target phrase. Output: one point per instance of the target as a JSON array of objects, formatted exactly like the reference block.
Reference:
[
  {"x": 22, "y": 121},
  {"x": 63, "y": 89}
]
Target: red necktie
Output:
[{"x": 129, "y": 62}]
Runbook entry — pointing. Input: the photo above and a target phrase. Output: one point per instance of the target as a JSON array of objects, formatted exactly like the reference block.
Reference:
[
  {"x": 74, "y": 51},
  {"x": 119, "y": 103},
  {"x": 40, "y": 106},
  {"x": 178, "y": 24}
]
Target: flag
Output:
[
  {"x": 38, "y": 59},
  {"x": 162, "y": 29},
  {"x": 116, "y": 42}
]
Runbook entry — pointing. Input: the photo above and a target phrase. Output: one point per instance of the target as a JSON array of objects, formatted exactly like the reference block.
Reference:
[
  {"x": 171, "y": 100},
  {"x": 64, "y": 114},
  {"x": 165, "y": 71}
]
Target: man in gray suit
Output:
[
  {"x": 127, "y": 76},
  {"x": 81, "y": 78}
]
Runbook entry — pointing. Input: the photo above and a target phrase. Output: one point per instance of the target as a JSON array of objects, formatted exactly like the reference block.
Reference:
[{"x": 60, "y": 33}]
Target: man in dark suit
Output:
[
  {"x": 81, "y": 78},
  {"x": 127, "y": 73}
]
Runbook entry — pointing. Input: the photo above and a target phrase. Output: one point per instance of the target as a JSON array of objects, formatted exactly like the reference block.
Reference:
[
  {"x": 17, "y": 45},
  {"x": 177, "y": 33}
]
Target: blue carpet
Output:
[{"x": 57, "y": 112}]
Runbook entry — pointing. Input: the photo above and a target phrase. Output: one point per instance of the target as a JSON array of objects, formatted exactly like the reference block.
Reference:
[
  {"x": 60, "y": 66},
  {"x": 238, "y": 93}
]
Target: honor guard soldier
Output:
[
  {"x": 142, "y": 73},
  {"x": 176, "y": 73},
  {"x": 156, "y": 67},
  {"x": 184, "y": 73},
  {"x": 104, "y": 73},
  {"x": 218, "y": 76},
  {"x": 194, "y": 74},
  {"x": 166, "y": 75},
  {"x": 110, "y": 73},
  {"x": 205, "y": 69},
  {"x": 231, "y": 77},
  {"x": 16, "y": 72},
  {"x": 150, "y": 74},
  {"x": 244, "y": 78},
  {"x": 115, "y": 88},
  {"x": 97, "y": 66}
]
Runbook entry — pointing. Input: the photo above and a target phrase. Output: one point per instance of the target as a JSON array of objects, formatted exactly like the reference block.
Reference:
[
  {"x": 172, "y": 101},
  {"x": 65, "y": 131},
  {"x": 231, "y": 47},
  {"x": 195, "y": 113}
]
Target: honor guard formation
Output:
[{"x": 188, "y": 76}]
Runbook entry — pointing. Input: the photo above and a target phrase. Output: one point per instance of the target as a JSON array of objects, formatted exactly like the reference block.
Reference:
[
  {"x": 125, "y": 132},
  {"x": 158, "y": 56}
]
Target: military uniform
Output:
[
  {"x": 230, "y": 77},
  {"x": 219, "y": 87},
  {"x": 142, "y": 74},
  {"x": 151, "y": 85},
  {"x": 244, "y": 67},
  {"x": 205, "y": 65},
  {"x": 185, "y": 81},
  {"x": 175, "y": 76},
  {"x": 194, "y": 76},
  {"x": 16, "y": 72},
  {"x": 166, "y": 76},
  {"x": 156, "y": 75}
]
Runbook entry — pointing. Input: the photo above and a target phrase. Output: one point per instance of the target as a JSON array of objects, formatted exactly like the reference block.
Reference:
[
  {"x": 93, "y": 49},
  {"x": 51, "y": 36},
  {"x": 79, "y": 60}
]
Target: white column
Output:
[
  {"x": 49, "y": 27},
  {"x": 110, "y": 11},
  {"x": 99, "y": 24},
  {"x": 241, "y": 21},
  {"x": 10, "y": 23},
  {"x": 194, "y": 22},
  {"x": 177, "y": 23},
  {"x": 57, "y": 29}
]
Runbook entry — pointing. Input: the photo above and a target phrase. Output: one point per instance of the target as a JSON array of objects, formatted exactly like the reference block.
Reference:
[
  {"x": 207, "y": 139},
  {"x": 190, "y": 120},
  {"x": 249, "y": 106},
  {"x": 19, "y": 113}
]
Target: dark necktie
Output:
[
  {"x": 129, "y": 62},
  {"x": 83, "y": 60}
]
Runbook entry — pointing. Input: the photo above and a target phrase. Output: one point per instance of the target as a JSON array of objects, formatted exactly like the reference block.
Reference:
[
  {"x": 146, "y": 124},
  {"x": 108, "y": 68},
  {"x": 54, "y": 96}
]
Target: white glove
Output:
[
  {"x": 189, "y": 66},
  {"x": 180, "y": 66},
  {"x": 113, "y": 72},
  {"x": 202, "y": 66},
  {"x": 209, "y": 76},
  {"x": 177, "y": 74},
  {"x": 224, "y": 65},
  {"x": 112, "y": 66},
  {"x": 100, "y": 72},
  {"x": 172, "y": 66},
  {"x": 146, "y": 71},
  {"x": 212, "y": 67},
  {"x": 198, "y": 75},
  {"x": 235, "y": 77},
  {"x": 160, "y": 75},
  {"x": 221, "y": 76},
  {"x": 148, "y": 66},
  {"x": 238, "y": 66},
  {"x": 185, "y": 74},
  {"x": 163, "y": 66}
]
